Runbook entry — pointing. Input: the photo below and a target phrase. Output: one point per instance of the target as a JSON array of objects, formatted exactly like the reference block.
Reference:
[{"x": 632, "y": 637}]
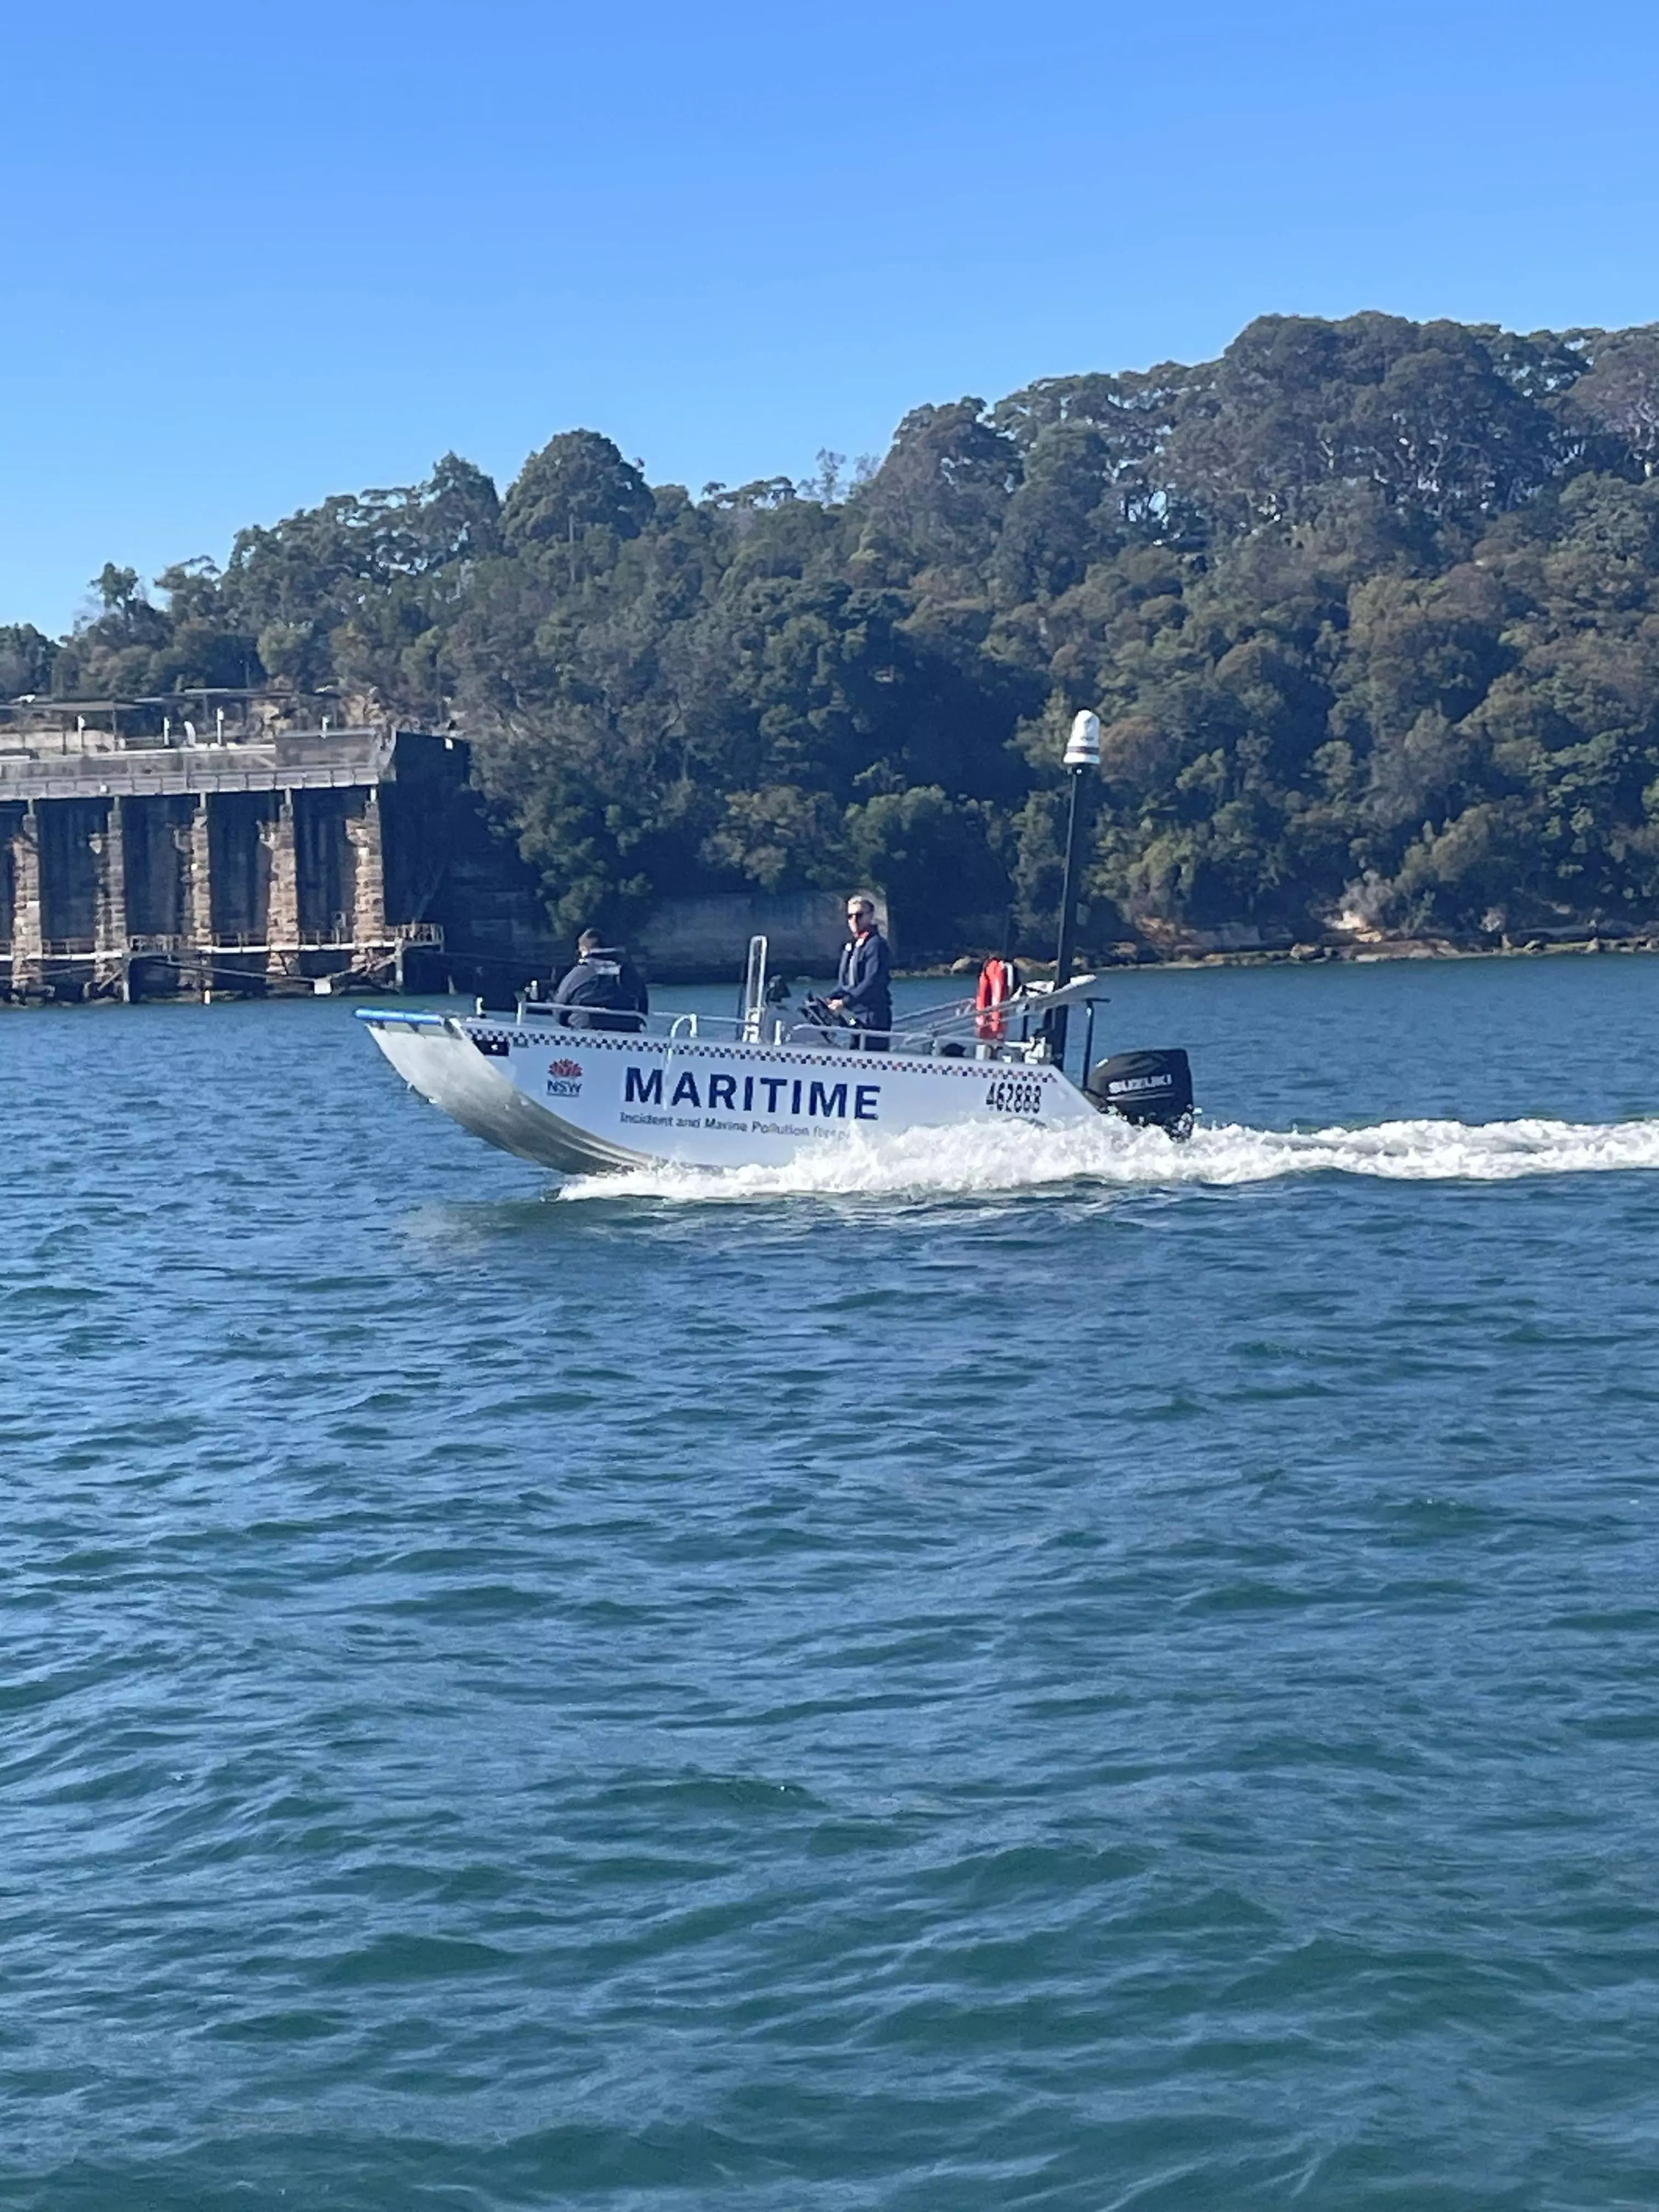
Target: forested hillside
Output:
[{"x": 1369, "y": 611}]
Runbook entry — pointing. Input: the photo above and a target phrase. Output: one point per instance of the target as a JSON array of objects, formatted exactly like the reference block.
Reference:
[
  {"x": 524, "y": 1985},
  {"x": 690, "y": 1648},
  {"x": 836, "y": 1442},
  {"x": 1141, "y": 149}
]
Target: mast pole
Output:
[{"x": 1082, "y": 753}]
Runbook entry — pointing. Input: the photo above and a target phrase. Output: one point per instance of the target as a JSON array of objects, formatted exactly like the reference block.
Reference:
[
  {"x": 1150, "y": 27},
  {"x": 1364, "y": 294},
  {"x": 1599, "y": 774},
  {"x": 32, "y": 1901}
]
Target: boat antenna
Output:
[{"x": 1082, "y": 753}]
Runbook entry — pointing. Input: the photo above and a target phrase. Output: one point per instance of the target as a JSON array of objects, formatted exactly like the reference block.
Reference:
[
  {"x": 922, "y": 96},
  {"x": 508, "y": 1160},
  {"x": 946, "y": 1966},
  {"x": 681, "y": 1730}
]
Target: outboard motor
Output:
[{"x": 1147, "y": 1088}]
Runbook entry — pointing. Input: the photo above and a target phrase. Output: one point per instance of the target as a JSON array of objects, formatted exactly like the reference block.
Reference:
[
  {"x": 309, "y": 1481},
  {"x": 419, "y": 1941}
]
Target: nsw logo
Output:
[{"x": 564, "y": 1079}]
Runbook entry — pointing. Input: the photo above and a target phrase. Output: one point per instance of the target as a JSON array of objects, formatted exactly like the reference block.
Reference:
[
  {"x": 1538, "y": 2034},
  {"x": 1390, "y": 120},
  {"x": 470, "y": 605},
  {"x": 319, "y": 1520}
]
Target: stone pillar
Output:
[
  {"x": 28, "y": 946},
  {"x": 282, "y": 898},
  {"x": 368, "y": 876},
  {"x": 196, "y": 848},
  {"x": 109, "y": 845},
  {"x": 198, "y": 883}
]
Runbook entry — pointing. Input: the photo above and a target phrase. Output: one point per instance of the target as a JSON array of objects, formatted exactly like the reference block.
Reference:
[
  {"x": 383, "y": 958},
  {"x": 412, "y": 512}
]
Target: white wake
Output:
[{"x": 990, "y": 1157}]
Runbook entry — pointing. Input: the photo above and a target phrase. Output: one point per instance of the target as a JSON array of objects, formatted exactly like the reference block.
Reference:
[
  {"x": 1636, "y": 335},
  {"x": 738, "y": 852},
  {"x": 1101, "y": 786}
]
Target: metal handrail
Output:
[
  {"x": 926, "y": 1035},
  {"x": 666, "y": 1026},
  {"x": 919, "y": 1043}
]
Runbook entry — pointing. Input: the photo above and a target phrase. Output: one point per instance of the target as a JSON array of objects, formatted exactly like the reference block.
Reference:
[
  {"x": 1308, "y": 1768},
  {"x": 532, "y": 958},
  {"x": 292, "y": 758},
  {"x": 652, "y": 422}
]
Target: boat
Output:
[{"x": 763, "y": 1086}]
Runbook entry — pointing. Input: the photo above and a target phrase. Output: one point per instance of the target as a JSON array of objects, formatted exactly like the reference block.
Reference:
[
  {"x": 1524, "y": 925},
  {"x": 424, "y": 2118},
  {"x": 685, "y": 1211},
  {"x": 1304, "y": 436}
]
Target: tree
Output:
[
  {"x": 577, "y": 483},
  {"x": 941, "y": 494},
  {"x": 1619, "y": 398},
  {"x": 1370, "y": 610},
  {"x": 932, "y": 856},
  {"x": 26, "y": 655},
  {"x": 779, "y": 837}
]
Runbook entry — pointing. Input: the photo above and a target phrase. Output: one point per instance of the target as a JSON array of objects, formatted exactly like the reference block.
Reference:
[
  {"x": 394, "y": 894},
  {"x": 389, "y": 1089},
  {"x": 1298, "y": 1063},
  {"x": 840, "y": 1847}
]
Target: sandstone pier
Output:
[{"x": 220, "y": 840}]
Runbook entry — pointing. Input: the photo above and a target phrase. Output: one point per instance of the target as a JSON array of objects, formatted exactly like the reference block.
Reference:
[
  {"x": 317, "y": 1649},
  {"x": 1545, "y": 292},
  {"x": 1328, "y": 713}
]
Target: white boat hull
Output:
[{"x": 585, "y": 1102}]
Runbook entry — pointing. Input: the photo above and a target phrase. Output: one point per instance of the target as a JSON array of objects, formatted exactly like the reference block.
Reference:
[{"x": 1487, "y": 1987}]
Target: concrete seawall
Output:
[{"x": 697, "y": 940}]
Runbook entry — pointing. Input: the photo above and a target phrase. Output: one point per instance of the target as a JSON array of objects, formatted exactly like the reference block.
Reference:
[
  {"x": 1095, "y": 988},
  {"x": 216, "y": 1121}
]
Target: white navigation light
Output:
[{"x": 1083, "y": 746}]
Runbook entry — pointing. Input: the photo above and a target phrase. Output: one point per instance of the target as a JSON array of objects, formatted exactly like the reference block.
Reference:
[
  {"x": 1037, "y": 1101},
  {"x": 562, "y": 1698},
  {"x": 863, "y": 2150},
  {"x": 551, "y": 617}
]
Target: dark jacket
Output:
[
  {"x": 863, "y": 982},
  {"x": 604, "y": 991}
]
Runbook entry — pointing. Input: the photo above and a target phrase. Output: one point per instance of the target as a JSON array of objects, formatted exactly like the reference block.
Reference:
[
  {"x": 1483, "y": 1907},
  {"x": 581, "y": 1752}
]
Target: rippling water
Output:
[{"x": 1089, "y": 1678}]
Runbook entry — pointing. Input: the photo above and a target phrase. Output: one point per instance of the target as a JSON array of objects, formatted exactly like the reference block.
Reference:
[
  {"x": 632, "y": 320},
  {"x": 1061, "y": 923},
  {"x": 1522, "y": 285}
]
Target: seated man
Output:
[
  {"x": 863, "y": 994},
  {"x": 604, "y": 990}
]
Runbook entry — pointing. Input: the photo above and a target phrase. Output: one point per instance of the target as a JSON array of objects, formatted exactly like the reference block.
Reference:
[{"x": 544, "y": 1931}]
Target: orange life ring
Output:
[{"x": 997, "y": 984}]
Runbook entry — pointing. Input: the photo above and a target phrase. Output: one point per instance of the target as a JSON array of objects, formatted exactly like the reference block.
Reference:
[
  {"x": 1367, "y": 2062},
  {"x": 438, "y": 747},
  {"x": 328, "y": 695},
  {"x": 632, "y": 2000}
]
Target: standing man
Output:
[
  {"x": 604, "y": 990},
  {"x": 863, "y": 992}
]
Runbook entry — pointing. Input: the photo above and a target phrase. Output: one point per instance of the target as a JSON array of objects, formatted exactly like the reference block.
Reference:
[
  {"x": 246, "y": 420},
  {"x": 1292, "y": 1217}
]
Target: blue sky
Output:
[{"x": 257, "y": 255}]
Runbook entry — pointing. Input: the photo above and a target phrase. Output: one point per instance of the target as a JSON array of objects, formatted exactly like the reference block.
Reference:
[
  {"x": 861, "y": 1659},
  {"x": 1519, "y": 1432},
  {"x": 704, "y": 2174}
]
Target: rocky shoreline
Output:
[{"x": 1350, "y": 949}]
